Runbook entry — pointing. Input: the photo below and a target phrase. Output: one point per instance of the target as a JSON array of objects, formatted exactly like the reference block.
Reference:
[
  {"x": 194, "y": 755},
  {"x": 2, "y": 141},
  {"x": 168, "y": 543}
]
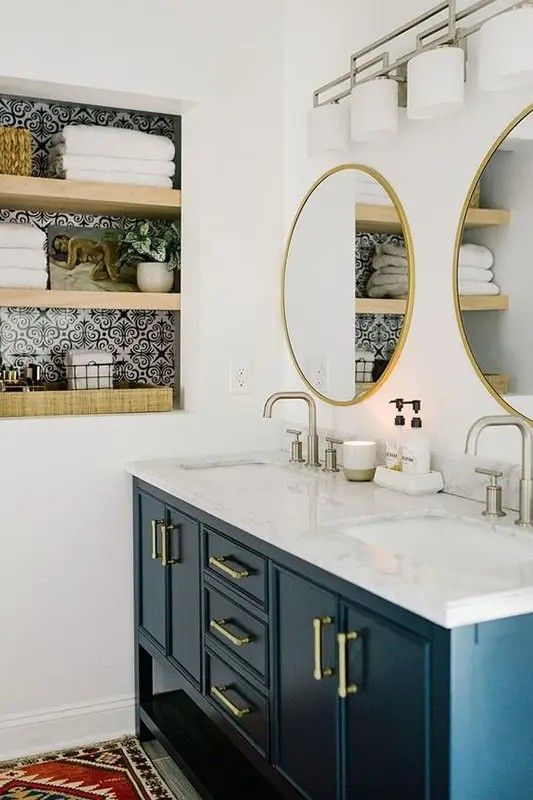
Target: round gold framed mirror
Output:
[
  {"x": 347, "y": 284},
  {"x": 493, "y": 276}
]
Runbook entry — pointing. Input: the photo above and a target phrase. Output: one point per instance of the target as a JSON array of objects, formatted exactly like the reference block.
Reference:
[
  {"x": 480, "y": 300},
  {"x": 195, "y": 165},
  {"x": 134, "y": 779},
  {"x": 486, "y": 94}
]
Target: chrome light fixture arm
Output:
[{"x": 425, "y": 40}]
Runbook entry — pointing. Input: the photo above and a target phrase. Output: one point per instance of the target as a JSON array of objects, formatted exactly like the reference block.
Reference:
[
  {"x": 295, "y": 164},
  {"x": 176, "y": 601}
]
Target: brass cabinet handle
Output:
[
  {"x": 345, "y": 689},
  {"x": 318, "y": 672},
  {"x": 166, "y": 548},
  {"x": 220, "y": 563},
  {"x": 219, "y": 625},
  {"x": 155, "y": 525},
  {"x": 234, "y": 710}
]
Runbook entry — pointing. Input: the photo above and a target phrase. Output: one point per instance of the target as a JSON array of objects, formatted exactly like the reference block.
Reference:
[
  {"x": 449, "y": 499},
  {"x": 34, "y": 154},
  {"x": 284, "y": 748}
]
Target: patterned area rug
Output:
[{"x": 117, "y": 770}]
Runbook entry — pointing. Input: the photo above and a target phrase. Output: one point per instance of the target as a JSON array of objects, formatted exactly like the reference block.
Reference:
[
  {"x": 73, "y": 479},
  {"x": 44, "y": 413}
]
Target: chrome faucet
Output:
[
  {"x": 525, "y": 518},
  {"x": 312, "y": 437}
]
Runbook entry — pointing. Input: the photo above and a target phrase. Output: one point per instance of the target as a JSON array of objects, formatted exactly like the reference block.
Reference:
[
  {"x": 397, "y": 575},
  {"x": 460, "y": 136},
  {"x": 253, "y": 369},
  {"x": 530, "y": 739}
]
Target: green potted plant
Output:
[{"x": 154, "y": 251}]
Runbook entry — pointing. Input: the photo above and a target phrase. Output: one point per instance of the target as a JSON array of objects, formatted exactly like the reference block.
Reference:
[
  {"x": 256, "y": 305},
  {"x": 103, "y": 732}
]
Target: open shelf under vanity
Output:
[
  {"x": 473, "y": 302},
  {"x": 385, "y": 219}
]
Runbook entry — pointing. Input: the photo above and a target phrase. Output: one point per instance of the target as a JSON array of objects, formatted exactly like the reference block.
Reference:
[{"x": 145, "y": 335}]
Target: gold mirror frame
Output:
[
  {"x": 458, "y": 240},
  {"x": 406, "y": 233}
]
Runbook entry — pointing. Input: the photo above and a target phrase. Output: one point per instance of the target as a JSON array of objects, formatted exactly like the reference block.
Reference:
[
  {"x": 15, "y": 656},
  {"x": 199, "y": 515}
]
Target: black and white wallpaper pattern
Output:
[
  {"x": 377, "y": 333},
  {"x": 142, "y": 342}
]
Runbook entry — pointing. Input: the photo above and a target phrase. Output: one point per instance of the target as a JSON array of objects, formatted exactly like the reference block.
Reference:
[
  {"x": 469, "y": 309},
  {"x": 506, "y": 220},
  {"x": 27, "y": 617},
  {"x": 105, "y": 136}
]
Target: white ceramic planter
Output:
[{"x": 154, "y": 276}]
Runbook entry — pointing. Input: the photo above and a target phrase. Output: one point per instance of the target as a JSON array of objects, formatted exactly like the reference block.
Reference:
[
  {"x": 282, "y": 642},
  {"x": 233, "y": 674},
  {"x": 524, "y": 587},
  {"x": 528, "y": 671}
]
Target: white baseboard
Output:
[{"x": 59, "y": 728}]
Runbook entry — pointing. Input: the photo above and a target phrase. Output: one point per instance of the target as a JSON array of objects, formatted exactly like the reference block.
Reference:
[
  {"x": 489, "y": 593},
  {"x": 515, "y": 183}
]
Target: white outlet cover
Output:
[{"x": 240, "y": 377}]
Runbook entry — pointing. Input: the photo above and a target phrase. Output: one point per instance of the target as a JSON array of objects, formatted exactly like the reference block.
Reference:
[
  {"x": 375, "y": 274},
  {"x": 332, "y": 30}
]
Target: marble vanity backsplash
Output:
[{"x": 457, "y": 469}]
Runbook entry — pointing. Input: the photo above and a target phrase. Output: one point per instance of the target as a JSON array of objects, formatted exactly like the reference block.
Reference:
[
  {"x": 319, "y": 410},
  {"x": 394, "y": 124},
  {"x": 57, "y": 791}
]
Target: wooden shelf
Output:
[
  {"x": 481, "y": 302},
  {"x": 123, "y": 200},
  {"x": 474, "y": 302},
  {"x": 46, "y": 298},
  {"x": 384, "y": 219}
]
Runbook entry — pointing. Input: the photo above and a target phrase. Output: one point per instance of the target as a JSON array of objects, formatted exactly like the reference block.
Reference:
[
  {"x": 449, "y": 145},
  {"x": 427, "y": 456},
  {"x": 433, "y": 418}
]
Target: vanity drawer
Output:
[
  {"x": 235, "y": 565},
  {"x": 238, "y": 701},
  {"x": 237, "y": 631}
]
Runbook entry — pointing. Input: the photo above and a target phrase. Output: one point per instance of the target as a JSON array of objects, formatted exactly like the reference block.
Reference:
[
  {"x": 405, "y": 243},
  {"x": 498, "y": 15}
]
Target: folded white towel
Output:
[
  {"x": 475, "y": 255},
  {"x": 475, "y": 274},
  {"x": 391, "y": 249},
  {"x": 385, "y": 260},
  {"x": 476, "y": 287},
  {"x": 22, "y": 258},
  {"x": 21, "y": 234},
  {"x": 96, "y": 140},
  {"x": 395, "y": 290},
  {"x": 379, "y": 278},
  {"x": 23, "y": 279},
  {"x": 58, "y": 164},
  {"x": 374, "y": 199},
  {"x": 392, "y": 270},
  {"x": 137, "y": 179}
]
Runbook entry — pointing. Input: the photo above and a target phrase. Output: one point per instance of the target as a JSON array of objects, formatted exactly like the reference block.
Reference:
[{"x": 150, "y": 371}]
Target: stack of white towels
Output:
[
  {"x": 112, "y": 155},
  {"x": 22, "y": 256},
  {"x": 369, "y": 191},
  {"x": 475, "y": 270},
  {"x": 390, "y": 275}
]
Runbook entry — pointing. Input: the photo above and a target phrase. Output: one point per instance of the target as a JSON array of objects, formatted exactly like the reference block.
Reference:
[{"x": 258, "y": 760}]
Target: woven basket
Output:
[{"x": 15, "y": 151}]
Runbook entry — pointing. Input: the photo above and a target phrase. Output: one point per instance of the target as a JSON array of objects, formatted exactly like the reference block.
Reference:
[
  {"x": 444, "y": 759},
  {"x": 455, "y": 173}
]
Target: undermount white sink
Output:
[{"x": 445, "y": 541}]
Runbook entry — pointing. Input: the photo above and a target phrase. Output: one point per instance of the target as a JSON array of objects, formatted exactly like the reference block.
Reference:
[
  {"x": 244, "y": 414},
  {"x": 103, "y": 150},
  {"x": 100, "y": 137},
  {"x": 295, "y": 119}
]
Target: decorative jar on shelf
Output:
[{"x": 154, "y": 276}]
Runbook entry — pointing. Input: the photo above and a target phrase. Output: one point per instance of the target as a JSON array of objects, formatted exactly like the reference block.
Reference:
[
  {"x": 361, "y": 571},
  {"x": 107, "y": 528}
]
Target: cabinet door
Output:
[
  {"x": 183, "y": 544},
  {"x": 306, "y": 708},
  {"x": 152, "y": 594},
  {"x": 387, "y": 718}
]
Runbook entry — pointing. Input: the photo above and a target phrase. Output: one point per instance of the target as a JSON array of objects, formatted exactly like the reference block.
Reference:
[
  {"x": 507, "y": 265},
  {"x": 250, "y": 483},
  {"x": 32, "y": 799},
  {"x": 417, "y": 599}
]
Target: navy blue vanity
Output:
[{"x": 274, "y": 678}]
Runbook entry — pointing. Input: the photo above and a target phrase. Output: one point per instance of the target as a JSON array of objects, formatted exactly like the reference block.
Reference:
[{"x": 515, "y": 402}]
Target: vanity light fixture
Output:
[
  {"x": 374, "y": 110},
  {"x": 435, "y": 82},
  {"x": 429, "y": 80},
  {"x": 506, "y": 50},
  {"x": 327, "y": 128}
]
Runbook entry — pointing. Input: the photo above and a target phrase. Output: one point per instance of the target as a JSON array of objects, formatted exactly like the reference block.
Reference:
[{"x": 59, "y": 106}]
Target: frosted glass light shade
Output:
[
  {"x": 435, "y": 83},
  {"x": 327, "y": 128},
  {"x": 374, "y": 110},
  {"x": 506, "y": 51}
]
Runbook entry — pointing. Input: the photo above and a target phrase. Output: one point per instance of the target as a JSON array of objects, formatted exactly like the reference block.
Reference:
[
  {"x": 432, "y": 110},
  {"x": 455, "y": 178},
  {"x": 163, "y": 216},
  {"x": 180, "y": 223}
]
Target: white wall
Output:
[
  {"x": 66, "y": 671},
  {"x": 431, "y": 165}
]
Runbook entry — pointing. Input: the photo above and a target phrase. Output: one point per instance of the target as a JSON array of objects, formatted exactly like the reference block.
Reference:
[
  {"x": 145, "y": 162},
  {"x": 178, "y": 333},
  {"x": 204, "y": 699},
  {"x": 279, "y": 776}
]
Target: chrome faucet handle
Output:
[
  {"x": 493, "y": 506},
  {"x": 296, "y": 447},
  {"x": 330, "y": 462}
]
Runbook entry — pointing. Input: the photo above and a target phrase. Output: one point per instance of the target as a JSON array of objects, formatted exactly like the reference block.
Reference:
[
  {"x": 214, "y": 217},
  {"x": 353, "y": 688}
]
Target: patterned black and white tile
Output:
[
  {"x": 141, "y": 342},
  {"x": 377, "y": 333}
]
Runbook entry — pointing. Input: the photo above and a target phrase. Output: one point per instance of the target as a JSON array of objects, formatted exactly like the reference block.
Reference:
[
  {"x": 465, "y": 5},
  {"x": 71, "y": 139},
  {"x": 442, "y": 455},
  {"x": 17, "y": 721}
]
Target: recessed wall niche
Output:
[{"x": 142, "y": 341}]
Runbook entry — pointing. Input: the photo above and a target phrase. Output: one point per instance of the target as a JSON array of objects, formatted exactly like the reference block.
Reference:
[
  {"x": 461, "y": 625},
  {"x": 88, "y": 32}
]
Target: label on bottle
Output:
[{"x": 393, "y": 456}]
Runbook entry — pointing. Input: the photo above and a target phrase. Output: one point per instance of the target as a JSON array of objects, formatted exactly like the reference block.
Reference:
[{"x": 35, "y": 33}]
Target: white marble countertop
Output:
[{"x": 433, "y": 555}]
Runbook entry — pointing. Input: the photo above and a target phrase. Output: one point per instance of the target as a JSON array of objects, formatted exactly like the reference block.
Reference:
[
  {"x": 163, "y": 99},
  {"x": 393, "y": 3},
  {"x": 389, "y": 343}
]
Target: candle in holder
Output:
[{"x": 359, "y": 460}]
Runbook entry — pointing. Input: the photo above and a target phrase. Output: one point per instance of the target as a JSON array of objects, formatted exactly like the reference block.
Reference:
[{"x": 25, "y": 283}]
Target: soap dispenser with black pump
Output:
[
  {"x": 416, "y": 451},
  {"x": 394, "y": 443}
]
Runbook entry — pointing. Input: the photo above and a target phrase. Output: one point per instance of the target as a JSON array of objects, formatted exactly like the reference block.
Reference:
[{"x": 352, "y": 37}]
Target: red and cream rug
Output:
[{"x": 117, "y": 770}]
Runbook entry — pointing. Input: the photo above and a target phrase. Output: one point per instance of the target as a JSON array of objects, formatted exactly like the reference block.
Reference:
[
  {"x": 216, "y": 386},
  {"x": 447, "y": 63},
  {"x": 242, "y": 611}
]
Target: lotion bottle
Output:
[
  {"x": 416, "y": 452},
  {"x": 394, "y": 443}
]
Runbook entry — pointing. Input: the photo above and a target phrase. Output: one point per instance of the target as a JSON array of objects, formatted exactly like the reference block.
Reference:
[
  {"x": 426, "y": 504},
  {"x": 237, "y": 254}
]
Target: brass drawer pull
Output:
[
  {"x": 345, "y": 689},
  {"x": 318, "y": 672},
  {"x": 234, "y": 710},
  {"x": 219, "y": 625},
  {"x": 155, "y": 524},
  {"x": 166, "y": 545},
  {"x": 220, "y": 563}
]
